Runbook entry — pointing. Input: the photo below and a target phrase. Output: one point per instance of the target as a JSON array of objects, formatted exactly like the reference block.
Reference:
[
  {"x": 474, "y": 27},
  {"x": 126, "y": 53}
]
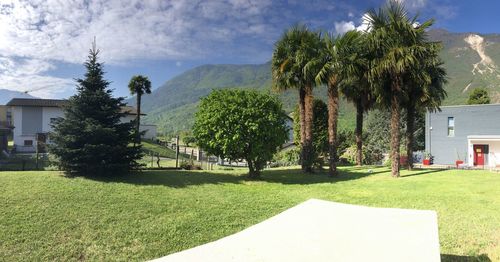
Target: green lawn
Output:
[
  {"x": 45, "y": 216},
  {"x": 161, "y": 150}
]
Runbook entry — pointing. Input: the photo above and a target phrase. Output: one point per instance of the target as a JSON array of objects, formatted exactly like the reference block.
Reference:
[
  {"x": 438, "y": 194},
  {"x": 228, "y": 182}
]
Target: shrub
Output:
[
  {"x": 189, "y": 165},
  {"x": 288, "y": 157},
  {"x": 371, "y": 156}
]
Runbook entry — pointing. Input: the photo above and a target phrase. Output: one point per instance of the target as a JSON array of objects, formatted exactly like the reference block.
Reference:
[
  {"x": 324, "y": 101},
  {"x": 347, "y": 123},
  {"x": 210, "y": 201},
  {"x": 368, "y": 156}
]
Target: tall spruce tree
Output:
[{"x": 91, "y": 140}]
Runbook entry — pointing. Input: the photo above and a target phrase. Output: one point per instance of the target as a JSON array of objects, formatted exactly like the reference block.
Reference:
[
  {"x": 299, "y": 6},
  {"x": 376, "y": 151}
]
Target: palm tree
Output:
[
  {"x": 138, "y": 86},
  {"x": 356, "y": 88},
  {"x": 335, "y": 62},
  {"x": 292, "y": 52},
  {"x": 425, "y": 92},
  {"x": 398, "y": 47}
]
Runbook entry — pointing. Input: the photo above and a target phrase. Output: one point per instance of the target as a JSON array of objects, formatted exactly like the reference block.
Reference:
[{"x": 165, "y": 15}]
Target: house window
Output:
[
  {"x": 451, "y": 126},
  {"x": 28, "y": 142}
]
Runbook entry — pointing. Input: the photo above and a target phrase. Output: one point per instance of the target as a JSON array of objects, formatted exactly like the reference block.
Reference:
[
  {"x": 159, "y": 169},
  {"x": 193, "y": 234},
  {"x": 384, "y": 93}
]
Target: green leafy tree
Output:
[
  {"x": 479, "y": 96},
  {"x": 295, "y": 49},
  {"x": 138, "y": 86},
  {"x": 320, "y": 131},
  {"x": 90, "y": 139},
  {"x": 240, "y": 124},
  {"x": 397, "y": 44}
]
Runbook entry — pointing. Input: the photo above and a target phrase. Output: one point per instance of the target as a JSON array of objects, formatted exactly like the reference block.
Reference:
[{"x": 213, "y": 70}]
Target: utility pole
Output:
[{"x": 177, "y": 152}]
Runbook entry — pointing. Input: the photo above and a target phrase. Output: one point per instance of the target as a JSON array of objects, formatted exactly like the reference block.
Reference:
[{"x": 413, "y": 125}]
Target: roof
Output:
[
  {"x": 475, "y": 105},
  {"x": 484, "y": 137},
  {"x": 129, "y": 110},
  {"x": 37, "y": 102}
]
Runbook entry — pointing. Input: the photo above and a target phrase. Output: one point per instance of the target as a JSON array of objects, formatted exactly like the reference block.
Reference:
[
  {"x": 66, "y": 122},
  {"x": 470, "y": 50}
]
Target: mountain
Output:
[
  {"x": 6, "y": 95},
  {"x": 172, "y": 106},
  {"x": 471, "y": 60}
]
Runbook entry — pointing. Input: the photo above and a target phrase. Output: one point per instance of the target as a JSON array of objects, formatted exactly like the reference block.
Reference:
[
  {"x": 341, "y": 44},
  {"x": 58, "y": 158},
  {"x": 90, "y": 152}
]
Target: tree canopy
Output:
[
  {"x": 241, "y": 124},
  {"x": 479, "y": 96}
]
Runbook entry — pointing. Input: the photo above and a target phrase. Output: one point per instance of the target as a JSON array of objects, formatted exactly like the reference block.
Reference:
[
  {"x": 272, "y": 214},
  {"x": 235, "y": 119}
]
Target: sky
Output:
[{"x": 43, "y": 43}]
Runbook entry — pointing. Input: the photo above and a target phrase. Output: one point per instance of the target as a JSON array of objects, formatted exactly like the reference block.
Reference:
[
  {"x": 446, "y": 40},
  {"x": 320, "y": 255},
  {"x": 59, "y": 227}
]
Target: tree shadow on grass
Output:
[
  {"x": 183, "y": 178},
  {"x": 174, "y": 178},
  {"x": 457, "y": 258},
  {"x": 297, "y": 177},
  {"x": 423, "y": 172}
]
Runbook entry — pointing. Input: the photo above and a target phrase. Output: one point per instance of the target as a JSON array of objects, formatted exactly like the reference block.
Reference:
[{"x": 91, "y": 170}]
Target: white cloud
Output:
[
  {"x": 23, "y": 74},
  {"x": 344, "y": 26},
  {"x": 43, "y": 32},
  {"x": 61, "y": 30}
]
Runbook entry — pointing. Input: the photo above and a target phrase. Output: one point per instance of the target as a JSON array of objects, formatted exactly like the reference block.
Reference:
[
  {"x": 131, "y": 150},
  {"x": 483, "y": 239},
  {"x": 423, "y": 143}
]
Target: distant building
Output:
[
  {"x": 5, "y": 127},
  {"x": 32, "y": 119},
  {"x": 470, "y": 133}
]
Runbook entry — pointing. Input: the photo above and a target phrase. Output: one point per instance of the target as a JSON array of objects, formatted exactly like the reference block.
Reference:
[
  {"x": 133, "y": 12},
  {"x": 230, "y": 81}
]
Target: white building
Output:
[
  {"x": 33, "y": 117},
  {"x": 464, "y": 135}
]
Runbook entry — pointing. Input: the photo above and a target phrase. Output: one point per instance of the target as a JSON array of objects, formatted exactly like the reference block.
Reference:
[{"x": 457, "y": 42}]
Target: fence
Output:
[{"x": 26, "y": 162}]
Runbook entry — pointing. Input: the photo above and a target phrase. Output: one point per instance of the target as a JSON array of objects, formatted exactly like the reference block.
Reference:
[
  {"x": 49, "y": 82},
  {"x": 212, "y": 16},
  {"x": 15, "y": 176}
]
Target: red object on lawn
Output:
[
  {"x": 459, "y": 162},
  {"x": 427, "y": 162},
  {"x": 403, "y": 160}
]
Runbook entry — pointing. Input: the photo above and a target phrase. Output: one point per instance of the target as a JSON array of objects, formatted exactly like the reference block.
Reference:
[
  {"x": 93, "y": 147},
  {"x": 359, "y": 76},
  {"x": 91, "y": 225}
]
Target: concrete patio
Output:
[{"x": 318, "y": 230}]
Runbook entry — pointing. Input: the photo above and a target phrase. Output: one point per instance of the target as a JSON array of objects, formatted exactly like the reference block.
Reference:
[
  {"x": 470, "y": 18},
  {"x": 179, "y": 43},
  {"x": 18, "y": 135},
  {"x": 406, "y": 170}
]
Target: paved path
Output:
[{"x": 318, "y": 230}]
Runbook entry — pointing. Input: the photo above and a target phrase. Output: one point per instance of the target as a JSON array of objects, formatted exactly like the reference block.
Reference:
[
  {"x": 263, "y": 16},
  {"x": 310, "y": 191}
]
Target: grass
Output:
[
  {"x": 161, "y": 150},
  {"x": 45, "y": 216}
]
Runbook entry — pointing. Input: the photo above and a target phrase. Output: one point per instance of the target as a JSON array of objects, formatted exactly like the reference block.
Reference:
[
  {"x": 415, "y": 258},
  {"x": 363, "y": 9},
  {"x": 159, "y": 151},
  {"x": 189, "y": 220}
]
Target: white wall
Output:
[
  {"x": 47, "y": 114},
  {"x": 18, "y": 136},
  {"x": 17, "y": 122},
  {"x": 150, "y": 131},
  {"x": 494, "y": 155},
  {"x": 55, "y": 112},
  {"x": 128, "y": 118}
]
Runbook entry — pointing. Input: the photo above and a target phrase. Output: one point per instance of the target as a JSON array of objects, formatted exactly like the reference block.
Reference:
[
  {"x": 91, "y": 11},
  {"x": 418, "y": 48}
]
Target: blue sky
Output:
[{"x": 43, "y": 43}]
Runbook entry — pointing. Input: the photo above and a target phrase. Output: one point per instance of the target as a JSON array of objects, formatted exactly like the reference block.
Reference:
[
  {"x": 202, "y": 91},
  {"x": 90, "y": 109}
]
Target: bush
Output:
[
  {"x": 371, "y": 156},
  {"x": 289, "y": 157},
  {"x": 189, "y": 165}
]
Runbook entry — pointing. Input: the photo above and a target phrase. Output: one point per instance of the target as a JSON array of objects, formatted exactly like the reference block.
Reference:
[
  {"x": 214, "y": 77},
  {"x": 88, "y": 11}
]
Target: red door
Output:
[{"x": 479, "y": 155}]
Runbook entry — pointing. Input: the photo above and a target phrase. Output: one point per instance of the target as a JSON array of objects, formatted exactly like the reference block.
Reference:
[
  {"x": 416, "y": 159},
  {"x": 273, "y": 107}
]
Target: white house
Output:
[{"x": 33, "y": 117}]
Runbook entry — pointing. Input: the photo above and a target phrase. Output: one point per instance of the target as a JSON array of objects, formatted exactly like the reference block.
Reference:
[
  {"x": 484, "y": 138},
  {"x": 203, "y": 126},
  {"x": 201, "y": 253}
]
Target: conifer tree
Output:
[{"x": 90, "y": 139}]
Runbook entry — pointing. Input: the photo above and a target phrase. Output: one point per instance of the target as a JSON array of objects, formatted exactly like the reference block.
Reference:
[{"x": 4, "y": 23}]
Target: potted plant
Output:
[
  {"x": 427, "y": 159},
  {"x": 458, "y": 162}
]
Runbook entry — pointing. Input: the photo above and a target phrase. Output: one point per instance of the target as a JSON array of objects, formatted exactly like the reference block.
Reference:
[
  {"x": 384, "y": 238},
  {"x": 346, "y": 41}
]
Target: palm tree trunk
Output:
[
  {"x": 333, "y": 109},
  {"x": 138, "y": 119},
  {"x": 395, "y": 136},
  {"x": 302, "y": 119},
  {"x": 309, "y": 117},
  {"x": 410, "y": 126},
  {"x": 359, "y": 132}
]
